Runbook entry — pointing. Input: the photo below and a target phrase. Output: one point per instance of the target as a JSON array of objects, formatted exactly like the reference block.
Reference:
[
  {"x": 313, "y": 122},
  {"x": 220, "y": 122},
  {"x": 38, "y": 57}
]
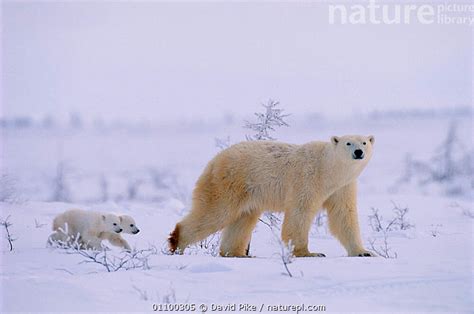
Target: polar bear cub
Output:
[
  {"x": 86, "y": 227},
  {"x": 128, "y": 225}
]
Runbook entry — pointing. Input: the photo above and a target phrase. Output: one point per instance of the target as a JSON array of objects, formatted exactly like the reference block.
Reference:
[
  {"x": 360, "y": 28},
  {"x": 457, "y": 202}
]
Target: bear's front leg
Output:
[
  {"x": 117, "y": 240},
  {"x": 236, "y": 236},
  {"x": 343, "y": 221},
  {"x": 296, "y": 225}
]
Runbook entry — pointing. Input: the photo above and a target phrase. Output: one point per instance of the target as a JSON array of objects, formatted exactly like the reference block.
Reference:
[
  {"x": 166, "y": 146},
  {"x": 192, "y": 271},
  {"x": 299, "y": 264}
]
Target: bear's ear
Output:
[
  {"x": 335, "y": 140},
  {"x": 371, "y": 139},
  {"x": 120, "y": 218},
  {"x": 103, "y": 217}
]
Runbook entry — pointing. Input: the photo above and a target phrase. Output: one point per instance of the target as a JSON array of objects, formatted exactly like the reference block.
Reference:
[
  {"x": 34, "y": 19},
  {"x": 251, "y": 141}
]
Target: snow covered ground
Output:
[{"x": 432, "y": 270}]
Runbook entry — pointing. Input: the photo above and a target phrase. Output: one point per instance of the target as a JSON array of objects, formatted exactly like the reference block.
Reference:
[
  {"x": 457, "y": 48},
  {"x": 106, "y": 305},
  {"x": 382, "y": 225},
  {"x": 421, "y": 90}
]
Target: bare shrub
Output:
[
  {"x": 60, "y": 187},
  {"x": 285, "y": 253},
  {"x": 169, "y": 297},
  {"x": 133, "y": 185},
  {"x": 271, "y": 220},
  {"x": 104, "y": 188},
  {"x": 142, "y": 293},
  {"x": 222, "y": 143},
  {"x": 39, "y": 225},
  {"x": 468, "y": 212},
  {"x": 7, "y": 189},
  {"x": 135, "y": 259},
  {"x": 267, "y": 121},
  {"x": 379, "y": 225},
  {"x": 320, "y": 222},
  {"x": 451, "y": 166},
  {"x": 165, "y": 180},
  {"x": 400, "y": 217},
  {"x": 383, "y": 249},
  {"x": 208, "y": 246},
  {"x": 181, "y": 267},
  {"x": 434, "y": 231},
  {"x": 7, "y": 224},
  {"x": 375, "y": 221},
  {"x": 398, "y": 222},
  {"x": 465, "y": 211},
  {"x": 450, "y": 159}
]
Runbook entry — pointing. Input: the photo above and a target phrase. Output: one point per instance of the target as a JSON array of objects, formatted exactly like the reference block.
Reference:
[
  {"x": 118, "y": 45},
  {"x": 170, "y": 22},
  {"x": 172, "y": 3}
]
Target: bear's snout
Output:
[
  {"x": 358, "y": 154},
  {"x": 136, "y": 231},
  {"x": 119, "y": 230}
]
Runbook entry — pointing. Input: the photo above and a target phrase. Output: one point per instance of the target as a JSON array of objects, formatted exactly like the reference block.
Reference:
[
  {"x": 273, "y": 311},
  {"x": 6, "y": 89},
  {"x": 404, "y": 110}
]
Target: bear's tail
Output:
[{"x": 173, "y": 240}]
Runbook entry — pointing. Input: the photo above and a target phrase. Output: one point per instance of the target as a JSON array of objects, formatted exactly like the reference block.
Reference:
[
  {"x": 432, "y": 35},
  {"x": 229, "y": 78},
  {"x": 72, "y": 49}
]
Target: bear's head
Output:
[
  {"x": 353, "y": 148},
  {"x": 128, "y": 224},
  {"x": 111, "y": 223}
]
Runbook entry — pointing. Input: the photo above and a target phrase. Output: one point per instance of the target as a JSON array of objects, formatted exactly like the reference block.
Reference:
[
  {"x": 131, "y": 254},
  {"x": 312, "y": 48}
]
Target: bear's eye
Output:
[
  {"x": 115, "y": 224},
  {"x": 364, "y": 143},
  {"x": 348, "y": 144},
  {"x": 131, "y": 225}
]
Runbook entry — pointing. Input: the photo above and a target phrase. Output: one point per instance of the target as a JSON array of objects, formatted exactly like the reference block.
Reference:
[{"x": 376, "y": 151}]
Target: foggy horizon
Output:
[{"x": 205, "y": 60}]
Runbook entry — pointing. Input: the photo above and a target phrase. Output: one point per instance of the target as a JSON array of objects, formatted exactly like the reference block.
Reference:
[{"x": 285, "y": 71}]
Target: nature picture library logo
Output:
[{"x": 377, "y": 12}]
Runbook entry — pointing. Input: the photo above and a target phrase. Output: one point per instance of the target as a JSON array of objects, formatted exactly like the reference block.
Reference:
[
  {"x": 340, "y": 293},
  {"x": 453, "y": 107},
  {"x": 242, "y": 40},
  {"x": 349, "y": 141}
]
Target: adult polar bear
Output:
[{"x": 251, "y": 177}]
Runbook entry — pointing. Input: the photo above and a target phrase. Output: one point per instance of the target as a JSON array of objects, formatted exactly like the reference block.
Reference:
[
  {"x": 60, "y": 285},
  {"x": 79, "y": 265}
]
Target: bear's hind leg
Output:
[
  {"x": 236, "y": 236},
  {"x": 196, "y": 226},
  {"x": 296, "y": 225}
]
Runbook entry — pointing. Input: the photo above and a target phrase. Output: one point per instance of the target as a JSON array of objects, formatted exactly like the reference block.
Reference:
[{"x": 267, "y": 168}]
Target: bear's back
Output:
[{"x": 80, "y": 220}]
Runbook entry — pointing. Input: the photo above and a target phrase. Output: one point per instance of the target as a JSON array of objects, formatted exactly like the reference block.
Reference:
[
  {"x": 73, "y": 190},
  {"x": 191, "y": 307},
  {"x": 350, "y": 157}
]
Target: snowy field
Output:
[{"x": 149, "y": 174}]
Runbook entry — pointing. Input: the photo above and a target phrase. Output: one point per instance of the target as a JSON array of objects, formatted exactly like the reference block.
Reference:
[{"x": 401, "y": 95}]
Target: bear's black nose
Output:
[
  {"x": 120, "y": 230},
  {"x": 358, "y": 154},
  {"x": 138, "y": 230}
]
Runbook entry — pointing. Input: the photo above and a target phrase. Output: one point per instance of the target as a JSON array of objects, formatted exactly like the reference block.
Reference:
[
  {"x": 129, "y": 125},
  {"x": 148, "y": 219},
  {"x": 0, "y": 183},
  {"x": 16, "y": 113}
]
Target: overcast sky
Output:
[{"x": 167, "y": 60}]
